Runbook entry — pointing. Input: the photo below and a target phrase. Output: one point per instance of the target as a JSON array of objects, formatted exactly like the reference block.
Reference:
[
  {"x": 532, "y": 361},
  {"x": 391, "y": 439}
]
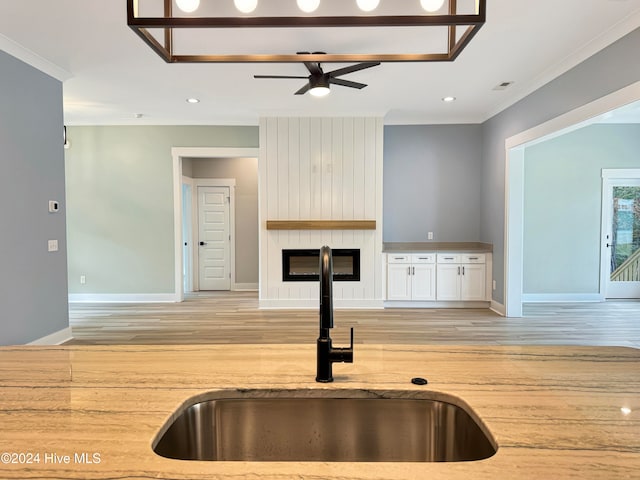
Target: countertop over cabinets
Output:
[{"x": 93, "y": 412}]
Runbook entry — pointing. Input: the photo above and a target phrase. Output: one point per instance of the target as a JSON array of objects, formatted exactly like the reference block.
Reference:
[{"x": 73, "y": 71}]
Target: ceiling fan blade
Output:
[
  {"x": 278, "y": 76},
  {"x": 313, "y": 67},
  {"x": 352, "y": 68},
  {"x": 347, "y": 83},
  {"x": 304, "y": 89}
]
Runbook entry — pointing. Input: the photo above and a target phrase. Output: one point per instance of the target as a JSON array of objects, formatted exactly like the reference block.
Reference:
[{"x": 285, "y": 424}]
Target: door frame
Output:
[
  {"x": 513, "y": 251},
  {"x": 187, "y": 227},
  {"x": 195, "y": 223},
  {"x": 178, "y": 153},
  {"x": 609, "y": 177}
]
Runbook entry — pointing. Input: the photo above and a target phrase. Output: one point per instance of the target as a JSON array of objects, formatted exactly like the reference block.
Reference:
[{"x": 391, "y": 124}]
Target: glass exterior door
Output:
[{"x": 623, "y": 239}]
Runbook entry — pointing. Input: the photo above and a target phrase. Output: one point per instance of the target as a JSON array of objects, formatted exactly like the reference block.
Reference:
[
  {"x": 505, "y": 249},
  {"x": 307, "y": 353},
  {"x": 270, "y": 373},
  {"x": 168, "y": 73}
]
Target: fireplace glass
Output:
[{"x": 304, "y": 265}]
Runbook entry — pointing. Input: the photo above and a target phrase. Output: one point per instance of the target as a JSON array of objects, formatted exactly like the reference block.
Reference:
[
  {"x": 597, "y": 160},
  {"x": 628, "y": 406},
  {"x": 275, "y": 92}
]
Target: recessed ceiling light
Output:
[
  {"x": 137, "y": 115},
  {"x": 448, "y": 99},
  {"x": 193, "y": 100}
]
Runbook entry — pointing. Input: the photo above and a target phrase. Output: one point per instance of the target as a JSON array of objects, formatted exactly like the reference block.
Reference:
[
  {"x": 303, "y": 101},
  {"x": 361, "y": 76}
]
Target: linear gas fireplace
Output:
[{"x": 304, "y": 265}]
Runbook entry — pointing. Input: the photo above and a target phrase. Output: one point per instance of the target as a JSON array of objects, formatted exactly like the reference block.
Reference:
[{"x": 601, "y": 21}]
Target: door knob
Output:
[{"x": 202, "y": 244}]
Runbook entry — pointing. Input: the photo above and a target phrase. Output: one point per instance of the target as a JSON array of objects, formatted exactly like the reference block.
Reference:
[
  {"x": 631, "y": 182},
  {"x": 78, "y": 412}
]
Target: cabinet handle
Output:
[
  {"x": 408, "y": 270},
  {"x": 398, "y": 258},
  {"x": 463, "y": 270},
  {"x": 413, "y": 270},
  {"x": 448, "y": 258},
  {"x": 473, "y": 258},
  {"x": 458, "y": 270}
]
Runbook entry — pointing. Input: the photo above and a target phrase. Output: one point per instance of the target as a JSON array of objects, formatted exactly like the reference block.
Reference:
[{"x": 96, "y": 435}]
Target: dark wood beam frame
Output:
[{"x": 452, "y": 20}]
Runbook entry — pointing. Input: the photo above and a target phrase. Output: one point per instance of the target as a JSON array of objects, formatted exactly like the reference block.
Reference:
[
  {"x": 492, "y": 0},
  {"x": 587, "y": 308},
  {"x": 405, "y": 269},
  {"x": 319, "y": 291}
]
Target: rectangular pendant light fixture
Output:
[{"x": 162, "y": 31}]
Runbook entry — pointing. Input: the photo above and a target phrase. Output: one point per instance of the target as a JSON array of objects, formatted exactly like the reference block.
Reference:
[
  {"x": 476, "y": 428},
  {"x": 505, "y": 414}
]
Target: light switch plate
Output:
[{"x": 53, "y": 245}]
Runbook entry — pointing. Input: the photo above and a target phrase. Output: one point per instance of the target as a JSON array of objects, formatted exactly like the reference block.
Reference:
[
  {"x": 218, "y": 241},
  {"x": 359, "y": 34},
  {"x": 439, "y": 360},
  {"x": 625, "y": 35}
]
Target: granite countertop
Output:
[
  {"x": 555, "y": 412},
  {"x": 449, "y": 247}
]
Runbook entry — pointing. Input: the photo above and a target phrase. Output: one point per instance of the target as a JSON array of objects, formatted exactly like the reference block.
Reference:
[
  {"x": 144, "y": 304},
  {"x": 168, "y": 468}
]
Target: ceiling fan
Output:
[{"x": 318, "y": 81}]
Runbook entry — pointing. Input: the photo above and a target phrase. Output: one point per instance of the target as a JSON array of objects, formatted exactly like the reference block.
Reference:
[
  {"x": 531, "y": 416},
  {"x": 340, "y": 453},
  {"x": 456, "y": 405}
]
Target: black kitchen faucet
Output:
[{"x": 327, "y": 354}]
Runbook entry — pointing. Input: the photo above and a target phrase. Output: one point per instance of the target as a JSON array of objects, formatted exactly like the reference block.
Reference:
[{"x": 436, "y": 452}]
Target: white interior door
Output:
[
  {"x": 214, "y": 239},
  {"x": 621, "y": 236}
]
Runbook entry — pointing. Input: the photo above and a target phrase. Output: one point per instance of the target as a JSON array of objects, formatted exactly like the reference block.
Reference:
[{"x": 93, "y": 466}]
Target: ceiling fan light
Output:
[
  {"x": 432, "y": 5},
  {"x": 367, "y": 5},
  {"x": 320, "y": 91},
  {"x": 188, "y": 6},
  {"x": 308, "y": 5},
  {"x": 246, "y": 6}
]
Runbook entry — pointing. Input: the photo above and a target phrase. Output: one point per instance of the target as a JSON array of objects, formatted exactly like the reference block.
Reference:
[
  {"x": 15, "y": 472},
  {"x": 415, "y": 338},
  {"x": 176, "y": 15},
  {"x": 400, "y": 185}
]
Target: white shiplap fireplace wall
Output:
[{"x": 320, "y": 169}]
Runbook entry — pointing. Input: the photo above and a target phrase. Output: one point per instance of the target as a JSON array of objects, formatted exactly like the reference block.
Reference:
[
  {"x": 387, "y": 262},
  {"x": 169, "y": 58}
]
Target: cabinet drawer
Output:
[
  {"x": 398, "y": 258},
  {"x": 423, "y": 258},
  {"x": 473, "y": 258},
  {"x": 448, "y": 258}
]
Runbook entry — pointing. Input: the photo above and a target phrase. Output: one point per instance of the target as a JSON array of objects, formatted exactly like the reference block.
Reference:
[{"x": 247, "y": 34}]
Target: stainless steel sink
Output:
[{"x": 321, "y": 429}]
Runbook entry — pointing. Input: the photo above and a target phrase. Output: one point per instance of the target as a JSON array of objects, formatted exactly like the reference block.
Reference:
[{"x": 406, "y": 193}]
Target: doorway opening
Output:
[
  {"x": 620, "y": 250},
  {"x": 514, "y": 183},
  {"x": 178, "y": 154}
]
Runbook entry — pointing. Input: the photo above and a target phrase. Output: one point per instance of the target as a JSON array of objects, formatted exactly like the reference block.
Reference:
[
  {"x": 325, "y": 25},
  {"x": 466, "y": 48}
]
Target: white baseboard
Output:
[
  {"x": 499, "y": 308},
  {"x": 123, "y": 298},
  {"x": 413, "y": 304},
  {"x": 245, "y": 287},
  {"x": 56, "y": 338},
  {"x": 561, "y": 297},
  {"x": 307, "y": 304}
]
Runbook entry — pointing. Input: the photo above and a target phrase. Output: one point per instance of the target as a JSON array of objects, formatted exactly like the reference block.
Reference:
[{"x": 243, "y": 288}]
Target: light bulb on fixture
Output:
[
  {"x": 320, "y": 91},
  {"x": 188, "y": 6},
  {"x": 308, "y": 5},
  {"x": 432, "y": 5},
  {"x": 246, "y": 6},
  {"x": 367, "y": 5}
]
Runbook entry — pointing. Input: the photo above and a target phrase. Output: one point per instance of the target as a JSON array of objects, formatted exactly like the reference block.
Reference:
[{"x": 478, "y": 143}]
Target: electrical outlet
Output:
[
  {"x": 83, "y": 279},
  {"x": 494, "y": 285},
  {"x": 52, "y": 245},
  {"x": 430, "y": 236}
]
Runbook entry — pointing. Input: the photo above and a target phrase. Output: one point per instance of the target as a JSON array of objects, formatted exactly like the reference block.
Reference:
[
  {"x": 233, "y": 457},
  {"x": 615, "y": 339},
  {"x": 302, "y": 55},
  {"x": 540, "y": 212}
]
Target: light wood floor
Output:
[{"x": 234, "y": 317}]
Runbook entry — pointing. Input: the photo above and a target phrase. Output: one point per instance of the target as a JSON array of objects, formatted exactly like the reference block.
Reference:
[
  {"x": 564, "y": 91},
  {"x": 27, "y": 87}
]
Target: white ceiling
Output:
[{"x": 110, "y": 75}]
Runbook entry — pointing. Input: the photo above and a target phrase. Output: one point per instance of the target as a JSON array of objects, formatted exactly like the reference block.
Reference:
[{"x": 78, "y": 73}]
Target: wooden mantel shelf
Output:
[{"x": 321, "y": 224}]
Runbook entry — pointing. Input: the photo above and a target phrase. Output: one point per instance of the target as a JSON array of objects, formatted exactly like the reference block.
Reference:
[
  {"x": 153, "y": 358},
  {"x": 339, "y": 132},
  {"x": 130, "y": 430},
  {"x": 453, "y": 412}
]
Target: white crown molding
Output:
[
  {"x": 613, "y": 34},
  {"x": 36, "y": 61}
]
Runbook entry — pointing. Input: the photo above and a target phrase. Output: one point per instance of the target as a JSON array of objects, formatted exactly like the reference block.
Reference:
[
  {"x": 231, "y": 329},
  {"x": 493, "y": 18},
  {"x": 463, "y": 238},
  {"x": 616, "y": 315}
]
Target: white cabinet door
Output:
[
  {"x": 448, "y": 282},
  {"x": 473, "y": 282},
  {"x": 398, "y": 281},
  {"x": 423, "y": 282}
]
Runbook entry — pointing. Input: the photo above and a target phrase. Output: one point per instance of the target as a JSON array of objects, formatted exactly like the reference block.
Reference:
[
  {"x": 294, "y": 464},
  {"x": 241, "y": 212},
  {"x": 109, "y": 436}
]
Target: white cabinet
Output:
[
  {"x": 411, "y": 277},
  {"x": 461, "y": 277}
]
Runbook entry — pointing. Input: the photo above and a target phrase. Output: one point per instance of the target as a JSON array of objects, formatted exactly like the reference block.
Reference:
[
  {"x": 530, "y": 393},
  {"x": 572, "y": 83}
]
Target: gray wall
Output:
[
  {"x": 245, "y": 172},
  {"x": 432, "y": 182},
  {"x": 563, "y": 202},
  {"x": 33, "y": 282},
  {"x": 120, "y": 196},
  {"x": 607, "y": 71}
]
